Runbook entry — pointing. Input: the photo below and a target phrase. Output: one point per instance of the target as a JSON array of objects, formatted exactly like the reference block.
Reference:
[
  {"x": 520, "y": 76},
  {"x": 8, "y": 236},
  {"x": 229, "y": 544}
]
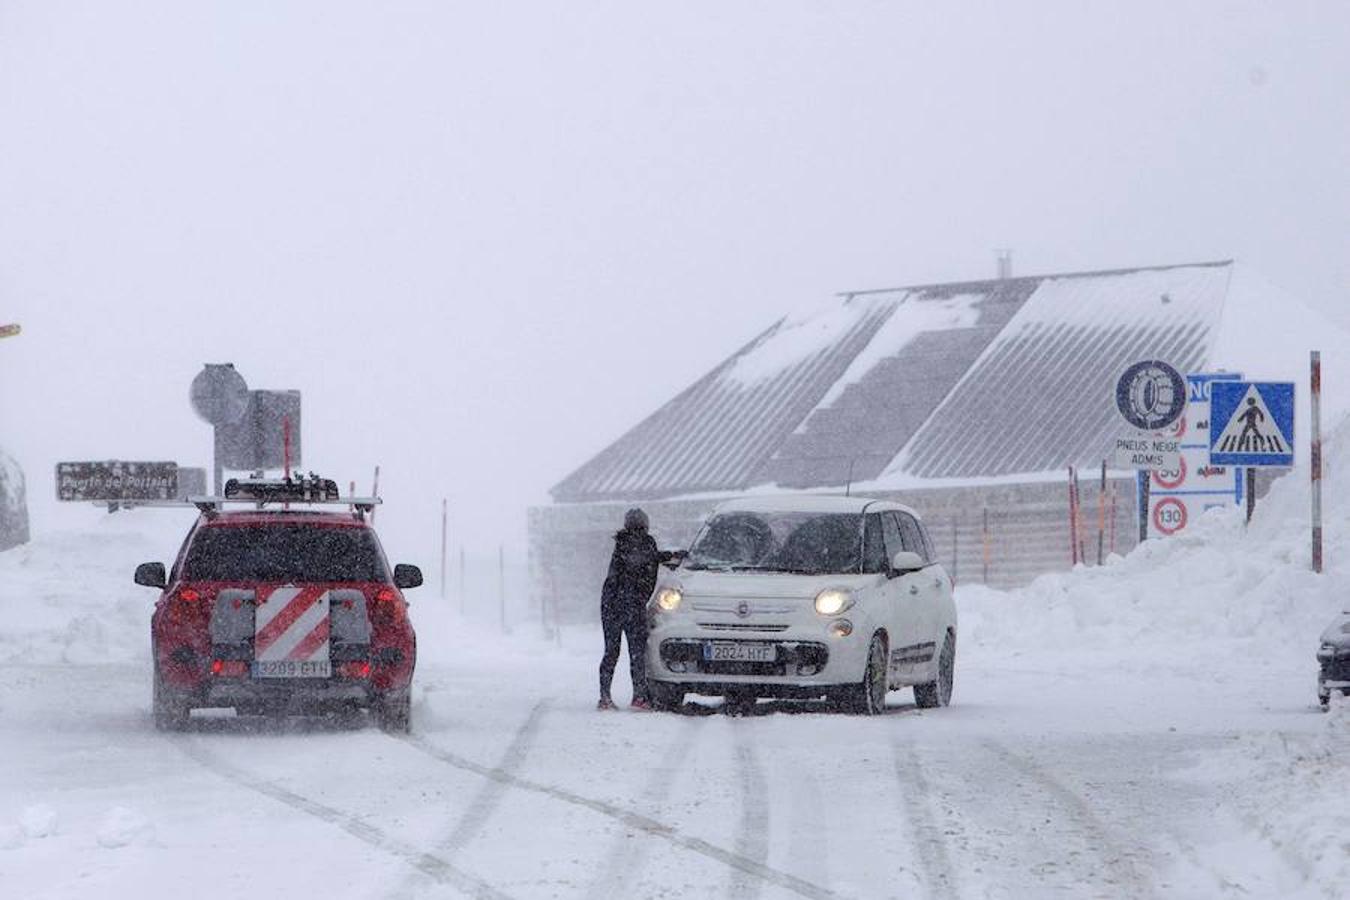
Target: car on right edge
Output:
[
  {"x": 805, "y": 596},
  {"x": 1333, "y": 653}
]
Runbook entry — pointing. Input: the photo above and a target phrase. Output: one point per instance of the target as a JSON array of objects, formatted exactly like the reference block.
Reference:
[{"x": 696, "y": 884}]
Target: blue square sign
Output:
[{"x": 1251, "y": 423}]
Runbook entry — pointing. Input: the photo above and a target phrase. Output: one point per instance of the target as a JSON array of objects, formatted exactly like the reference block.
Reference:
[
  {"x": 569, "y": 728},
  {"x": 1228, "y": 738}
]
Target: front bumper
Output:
[
  {"x": 1335, "y": 670},
  {"x": 807, "y": 661}
]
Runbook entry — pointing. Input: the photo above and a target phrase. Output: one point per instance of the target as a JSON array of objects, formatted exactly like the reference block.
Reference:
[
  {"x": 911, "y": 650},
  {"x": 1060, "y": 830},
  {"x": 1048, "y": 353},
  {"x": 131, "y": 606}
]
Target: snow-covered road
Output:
[
  {"x": 1143, "y": 729},
  {"x": 1068, "y": 773}
]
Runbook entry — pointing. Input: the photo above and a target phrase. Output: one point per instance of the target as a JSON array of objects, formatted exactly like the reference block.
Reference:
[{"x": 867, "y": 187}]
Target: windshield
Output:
[
  {"x": 800, "y": 542},
  {"x": 284, "y": 553}
]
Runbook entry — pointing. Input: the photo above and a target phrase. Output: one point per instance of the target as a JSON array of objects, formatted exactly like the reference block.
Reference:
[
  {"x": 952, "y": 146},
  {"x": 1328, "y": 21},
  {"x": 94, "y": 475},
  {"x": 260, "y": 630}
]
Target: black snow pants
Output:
[{"x": 618, "y": 623}]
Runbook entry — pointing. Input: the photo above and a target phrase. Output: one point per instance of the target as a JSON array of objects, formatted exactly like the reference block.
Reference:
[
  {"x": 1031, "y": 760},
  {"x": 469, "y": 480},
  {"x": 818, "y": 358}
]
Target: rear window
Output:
[{"x": 284, "y": 553}]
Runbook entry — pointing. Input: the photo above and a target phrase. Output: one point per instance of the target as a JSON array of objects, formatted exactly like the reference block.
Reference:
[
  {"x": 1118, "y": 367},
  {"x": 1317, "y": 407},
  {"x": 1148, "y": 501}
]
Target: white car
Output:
[{"x": 805, "y": 596}]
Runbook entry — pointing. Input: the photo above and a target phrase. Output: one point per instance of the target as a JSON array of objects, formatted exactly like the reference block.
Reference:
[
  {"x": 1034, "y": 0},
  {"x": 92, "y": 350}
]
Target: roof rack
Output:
[{"x": 308, "y": 489}]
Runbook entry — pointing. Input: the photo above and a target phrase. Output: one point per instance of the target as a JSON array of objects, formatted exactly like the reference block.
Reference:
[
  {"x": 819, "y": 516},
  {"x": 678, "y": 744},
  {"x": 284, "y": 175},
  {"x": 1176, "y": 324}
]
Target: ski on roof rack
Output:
[{"x": 300, "y": 489}]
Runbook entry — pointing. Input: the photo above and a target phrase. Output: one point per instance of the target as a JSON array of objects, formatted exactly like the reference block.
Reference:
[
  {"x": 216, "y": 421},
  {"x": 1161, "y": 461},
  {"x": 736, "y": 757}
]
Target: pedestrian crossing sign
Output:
[{"x": 1251, "y": 423}]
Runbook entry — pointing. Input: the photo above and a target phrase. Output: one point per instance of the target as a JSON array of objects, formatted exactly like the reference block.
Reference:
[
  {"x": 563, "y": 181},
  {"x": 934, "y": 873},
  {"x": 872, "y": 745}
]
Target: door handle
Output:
[
  {"x": 937, "y": 582},
  {"x": 913, "y": 588}
]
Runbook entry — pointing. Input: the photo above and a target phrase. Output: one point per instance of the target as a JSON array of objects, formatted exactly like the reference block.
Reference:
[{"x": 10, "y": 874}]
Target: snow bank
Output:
[
  {"x": 1297, "y": 808},
  {"x": 68, "y": 597},
  {"x": 122, "y": 827},
  {"x": 1219, "y": 580},
  {"x": 38, "y": 821}
]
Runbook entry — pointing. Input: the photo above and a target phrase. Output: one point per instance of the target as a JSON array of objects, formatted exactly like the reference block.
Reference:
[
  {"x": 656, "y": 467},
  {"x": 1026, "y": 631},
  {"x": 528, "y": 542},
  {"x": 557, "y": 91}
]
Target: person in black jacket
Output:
[{"x": 623, "y": 604}]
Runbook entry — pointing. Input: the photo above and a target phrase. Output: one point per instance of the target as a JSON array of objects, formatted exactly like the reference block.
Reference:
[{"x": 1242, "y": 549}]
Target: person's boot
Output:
[
  {"x": 605, "y": 703},
  {"x": 640, "y": 704}
]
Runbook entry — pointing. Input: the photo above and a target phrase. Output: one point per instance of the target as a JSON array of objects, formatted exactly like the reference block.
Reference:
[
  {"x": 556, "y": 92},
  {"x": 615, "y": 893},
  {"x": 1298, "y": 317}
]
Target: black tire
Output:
[
  {"x": 170, "y": 708},
  {"x": 939, "y": 693},
  {"x": 665, "y": 697},
  {"x": 868, "y": 697},
  {"x": 393, "y": 712}
]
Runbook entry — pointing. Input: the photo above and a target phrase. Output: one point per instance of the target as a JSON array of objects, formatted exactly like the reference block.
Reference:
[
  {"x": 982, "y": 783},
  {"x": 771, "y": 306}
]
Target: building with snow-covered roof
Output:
[{"x": 968, "y": 401}]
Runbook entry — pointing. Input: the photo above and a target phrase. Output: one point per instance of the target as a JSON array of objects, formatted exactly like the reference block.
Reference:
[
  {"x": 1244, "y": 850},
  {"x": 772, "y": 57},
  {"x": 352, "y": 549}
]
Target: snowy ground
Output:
[{"x": 1144, "y": 729}]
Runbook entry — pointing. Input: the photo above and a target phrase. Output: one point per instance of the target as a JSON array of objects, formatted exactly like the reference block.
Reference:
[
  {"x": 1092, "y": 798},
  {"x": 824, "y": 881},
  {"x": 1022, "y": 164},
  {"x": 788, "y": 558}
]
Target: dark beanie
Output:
[{"x": 635, "y": 520}]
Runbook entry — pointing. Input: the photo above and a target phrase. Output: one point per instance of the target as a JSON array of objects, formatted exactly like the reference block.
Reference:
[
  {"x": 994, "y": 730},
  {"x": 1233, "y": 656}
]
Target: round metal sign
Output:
[
  {"x": 1169, "y": 516},
  {"x": 219, "y": 394},
  {"x": 1151, "y": 395}
]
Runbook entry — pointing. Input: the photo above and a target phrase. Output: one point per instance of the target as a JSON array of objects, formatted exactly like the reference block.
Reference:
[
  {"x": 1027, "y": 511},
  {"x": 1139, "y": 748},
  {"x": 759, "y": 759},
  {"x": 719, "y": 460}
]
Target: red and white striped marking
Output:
[
  {"x": 291, "y": 623},
  {"x": 1315, "y": 361}
]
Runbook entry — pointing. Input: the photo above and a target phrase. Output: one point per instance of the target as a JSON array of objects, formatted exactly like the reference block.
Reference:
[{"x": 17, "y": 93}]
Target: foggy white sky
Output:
[{"x": 485, "y": 239}]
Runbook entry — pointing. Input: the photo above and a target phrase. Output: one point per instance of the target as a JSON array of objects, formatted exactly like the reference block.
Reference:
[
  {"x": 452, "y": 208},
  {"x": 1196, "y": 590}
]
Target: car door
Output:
[
  {"x": 876, "y": 600},
  {"x": 935, "y": 592},
  {"x": 908, "y": 597}
]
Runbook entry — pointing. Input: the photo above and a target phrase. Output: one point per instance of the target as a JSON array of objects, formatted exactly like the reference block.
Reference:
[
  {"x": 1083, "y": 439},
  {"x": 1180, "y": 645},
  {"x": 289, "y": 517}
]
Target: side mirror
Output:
[
  {"x": 907, "y": 561},
  {"x": 407, "y": 576},
  {"x": 151, "y": 575}
]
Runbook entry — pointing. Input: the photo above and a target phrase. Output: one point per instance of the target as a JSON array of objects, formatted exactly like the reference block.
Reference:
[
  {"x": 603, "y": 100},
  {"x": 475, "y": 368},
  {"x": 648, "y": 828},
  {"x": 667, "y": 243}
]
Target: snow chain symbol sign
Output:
[
  {"x": 1169, "y": 516},
  {"x": 1252, "y": 423},
  {"x": 1151, "y": 395}
]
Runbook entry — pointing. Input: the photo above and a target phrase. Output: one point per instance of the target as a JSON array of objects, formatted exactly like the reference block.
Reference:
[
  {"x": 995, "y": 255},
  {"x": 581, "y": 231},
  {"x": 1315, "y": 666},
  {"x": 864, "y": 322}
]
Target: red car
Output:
[{"x": 276, "y": 611}]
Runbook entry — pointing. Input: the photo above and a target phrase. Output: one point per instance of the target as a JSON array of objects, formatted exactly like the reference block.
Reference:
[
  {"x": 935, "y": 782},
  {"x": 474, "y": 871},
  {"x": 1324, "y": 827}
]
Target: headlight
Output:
[
  {"x": 832, "y": 601},
  {"x": 668, "y": 599}
]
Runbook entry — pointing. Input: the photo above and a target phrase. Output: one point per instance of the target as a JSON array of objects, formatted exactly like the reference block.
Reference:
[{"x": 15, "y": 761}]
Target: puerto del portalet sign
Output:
[{"x": 116, "y": 480}]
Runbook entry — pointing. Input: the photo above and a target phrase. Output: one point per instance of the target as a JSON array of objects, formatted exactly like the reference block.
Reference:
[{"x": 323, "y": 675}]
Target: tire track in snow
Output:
[
  {"x": 927, "y": 834},
  {"x": 629, "y": 819},
  {"x": 1121, "y": 870},
  {"x": 434, "y": 867},
  {"x": 808, "y": 843},
  {"x": 622, "y": 859},
  {"x": 488, "y": 797},
  {"x": 752, "y": 831}
]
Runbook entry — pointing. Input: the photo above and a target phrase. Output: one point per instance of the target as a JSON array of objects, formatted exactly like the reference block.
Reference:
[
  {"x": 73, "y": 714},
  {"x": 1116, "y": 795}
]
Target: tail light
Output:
[
  {"x": 389, "y": 603},
  {"x": 357, "y": 668},
  {"x": 229, "y": 668}
]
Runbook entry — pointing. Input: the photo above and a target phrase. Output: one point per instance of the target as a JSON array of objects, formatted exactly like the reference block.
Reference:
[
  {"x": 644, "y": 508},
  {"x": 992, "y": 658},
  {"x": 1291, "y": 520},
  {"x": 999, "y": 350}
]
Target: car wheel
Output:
[
  {"x": 868, "y": 697},
  {"x": 939, "y": 693},
  {"x": 394, "y": 712},
  {"x": 171, "y": 710},
  {"x": 665, "y": 697}
]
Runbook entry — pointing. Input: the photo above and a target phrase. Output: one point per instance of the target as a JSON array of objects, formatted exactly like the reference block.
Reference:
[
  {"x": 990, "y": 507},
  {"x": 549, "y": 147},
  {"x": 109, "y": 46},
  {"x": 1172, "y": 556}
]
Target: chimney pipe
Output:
[{"x": 1004, "y": 264}]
